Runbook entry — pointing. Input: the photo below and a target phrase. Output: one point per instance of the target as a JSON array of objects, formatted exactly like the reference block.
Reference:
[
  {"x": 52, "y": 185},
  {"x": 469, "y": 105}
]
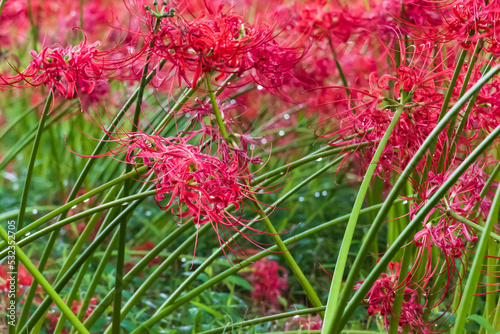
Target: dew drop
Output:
[
  {"x": 35, "y": 211},
  {"x": 301, "y": 199},
  {"x": 316, "y": 194},
  {"x": 286, "y": 116},
  {"x": 281, "y": 133}
]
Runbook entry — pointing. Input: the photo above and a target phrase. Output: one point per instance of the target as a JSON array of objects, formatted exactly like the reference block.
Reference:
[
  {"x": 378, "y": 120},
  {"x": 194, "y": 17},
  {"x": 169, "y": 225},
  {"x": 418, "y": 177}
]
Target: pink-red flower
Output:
[
  {"x": 269, "y": 281},
  {"x": 70, "y": 71}
]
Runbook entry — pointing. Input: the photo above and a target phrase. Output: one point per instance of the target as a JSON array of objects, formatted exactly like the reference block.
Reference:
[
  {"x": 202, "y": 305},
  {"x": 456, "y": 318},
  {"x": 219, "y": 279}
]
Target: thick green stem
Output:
[
  {"x": 2, "y": 4},
  {"x": 24, "y": 197},
  {"x": 465, "y": 83},
  {"x": 292, "y": 264},
  {"x": 451, "y": 87},
  {"x": 398, "y": 300},
  {"x": 475, "y": 272},
  {"x": 332, "y": 314},
  {"x": 218, "y": 116},
  {"x": 242, "y": 324},
  {"x": 475, "y": 226},
  {"x": 43, "y": 282}
]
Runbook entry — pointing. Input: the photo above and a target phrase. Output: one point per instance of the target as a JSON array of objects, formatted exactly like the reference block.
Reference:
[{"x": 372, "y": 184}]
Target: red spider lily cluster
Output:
[
  {"x": 24, "y": 279},
  {"x": 381, "y": 300},
  {"x": 353, "y": 67},
  {"x": 68, "y": 70},
  {"x": 267, "y": 282},
  {"x": 217, "y": 39},
  {"x": 54, "y": 315}
]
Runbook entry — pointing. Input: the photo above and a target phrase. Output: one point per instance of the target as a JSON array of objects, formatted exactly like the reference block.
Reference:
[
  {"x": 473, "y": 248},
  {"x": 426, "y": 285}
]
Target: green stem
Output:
[
  {"x": 496, "y": 319},
  {"x": 475, "y": 272},
  {"x": 72, "y": 296},
  {"x": 26, "y": 189},
  {"x": 332, "y": 313},
  {"x": 465, "y": 83},
  {"x": 82, "y": 4},
  {"x": 402, "y": 283},
  {"x": 33, "y": 27},
  {"x": 120, "y": 260},
  {"x": 470, "y": 223},
  {"x": 2, "y": 4},
  {"x": 294, "y": 267},
  {"x": 43, "y": 282},
  {"x": 218, "y": 116},
  {"x": 449, "y": 92},
  {"x": 242, "y": 324}
]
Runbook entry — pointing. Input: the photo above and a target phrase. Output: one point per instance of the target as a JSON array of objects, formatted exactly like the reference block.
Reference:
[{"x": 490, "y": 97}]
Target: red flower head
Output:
[
  {"x": 69, "y": 70},
  {"x": 219, "y": 41},
  {"x": 24, "y": 279},
  {"x": 267, "y": 283},
  {"x": 381, "y": 296},
  {"x": 194, "y": 185}
]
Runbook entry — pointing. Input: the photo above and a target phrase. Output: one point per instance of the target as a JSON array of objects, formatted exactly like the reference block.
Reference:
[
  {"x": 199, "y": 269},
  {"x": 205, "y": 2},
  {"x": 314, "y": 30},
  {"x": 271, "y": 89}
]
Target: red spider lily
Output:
[
  {"x": 217, "y": 41},
  {"x": 70, "y": 71},
  {"x": 267, "y": 282},
  {"x": 365, "y": 115},
  {"x": 192, "y": 184},
  {"x": 75, "y": 308},
  {"x": 381, "y": 296},
  {"x": 24, "y": 279}
]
